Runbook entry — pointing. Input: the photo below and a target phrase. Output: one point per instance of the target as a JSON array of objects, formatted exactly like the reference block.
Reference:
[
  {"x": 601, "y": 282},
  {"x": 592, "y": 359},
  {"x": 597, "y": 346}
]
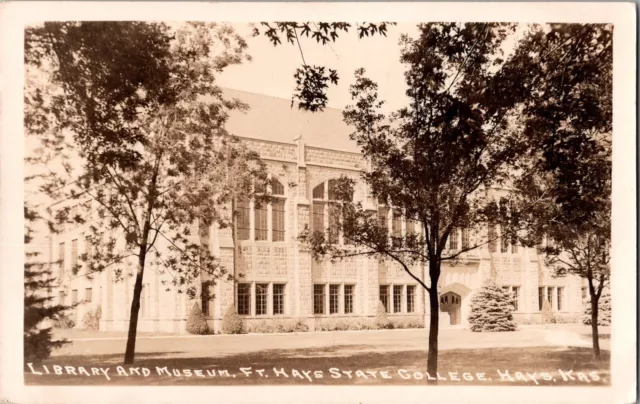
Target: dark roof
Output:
[{"x": 272, "y": 118}]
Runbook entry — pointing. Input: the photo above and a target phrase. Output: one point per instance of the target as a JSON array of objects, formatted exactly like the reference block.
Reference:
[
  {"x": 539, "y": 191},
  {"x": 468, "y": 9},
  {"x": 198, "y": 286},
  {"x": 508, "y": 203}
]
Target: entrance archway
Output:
[{"x": 450, "y": 303}]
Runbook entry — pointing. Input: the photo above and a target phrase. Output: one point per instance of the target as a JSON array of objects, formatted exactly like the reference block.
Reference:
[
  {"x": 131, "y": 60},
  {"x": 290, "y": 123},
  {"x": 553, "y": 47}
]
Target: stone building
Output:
[{"x": 278, "y": 279}]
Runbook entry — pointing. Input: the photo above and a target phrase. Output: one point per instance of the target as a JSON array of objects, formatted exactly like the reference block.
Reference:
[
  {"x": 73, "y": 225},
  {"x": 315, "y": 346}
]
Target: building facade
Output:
[{"x": 276, "y": 277}]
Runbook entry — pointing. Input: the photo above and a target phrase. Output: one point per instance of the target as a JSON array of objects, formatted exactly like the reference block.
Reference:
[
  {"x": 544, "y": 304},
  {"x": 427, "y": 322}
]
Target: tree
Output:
[
  {"x": 492, "y": 309},
  {"x": 435, "y": 160},
  {"x": 133, "y": 112},
  {"x": 567, "y": 183},
  {"x": 312, "y": 81},
  {"x": 39, "y": 313},
  {"x": 196, "y": 322}
]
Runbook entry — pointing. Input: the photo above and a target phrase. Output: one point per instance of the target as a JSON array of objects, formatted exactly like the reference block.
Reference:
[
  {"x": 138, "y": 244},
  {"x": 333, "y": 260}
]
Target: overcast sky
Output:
[{"x": 271, "y": 71}]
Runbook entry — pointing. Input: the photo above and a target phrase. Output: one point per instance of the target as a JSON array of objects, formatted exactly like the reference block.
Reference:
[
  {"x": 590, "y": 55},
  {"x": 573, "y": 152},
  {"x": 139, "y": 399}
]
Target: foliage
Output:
[
  {"x": 491, "y": 309},
  {"x": 136, "y": 104},
  {"x": 311, "y": 81},
  {"x": 64, "y": 322},
  {"x": 91, "y": 319},
  {"x": 196, "y": 322},
  {"x": 604, "y": 310},
  {"x": 547, "y": 313},
  {"x": 278, "y": 326},
  {"x": 231, "y": 322},
  {"x": 40, "y": 313},
  {"x": 382, "y": 319}
]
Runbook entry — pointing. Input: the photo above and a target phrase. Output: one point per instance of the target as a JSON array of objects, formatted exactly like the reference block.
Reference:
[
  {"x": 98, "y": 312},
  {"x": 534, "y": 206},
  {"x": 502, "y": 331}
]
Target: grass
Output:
[{"x": 321, "y": 359}]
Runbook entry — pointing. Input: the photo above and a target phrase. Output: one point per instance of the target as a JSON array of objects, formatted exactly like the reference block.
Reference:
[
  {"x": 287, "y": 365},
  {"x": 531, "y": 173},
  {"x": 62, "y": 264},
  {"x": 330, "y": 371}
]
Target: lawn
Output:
[{"x": 363, "y": 365}]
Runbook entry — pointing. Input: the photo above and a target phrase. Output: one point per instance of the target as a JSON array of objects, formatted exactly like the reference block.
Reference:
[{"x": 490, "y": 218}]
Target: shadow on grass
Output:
[{"x": 168, "y": 368}]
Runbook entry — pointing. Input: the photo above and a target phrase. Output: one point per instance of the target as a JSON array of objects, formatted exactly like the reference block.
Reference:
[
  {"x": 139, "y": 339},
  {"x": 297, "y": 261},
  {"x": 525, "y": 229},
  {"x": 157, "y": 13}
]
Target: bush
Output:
[
  {"x": 197, "y": 323},
  {"x": 91, "y": 319},
  {"x": 491, "y": 309},
  {"x": 231, "y": 322},
  {"x": 382, "y": 320},
  {"x": 604, "y": 310},
  {"x": 63, "y": 322}
]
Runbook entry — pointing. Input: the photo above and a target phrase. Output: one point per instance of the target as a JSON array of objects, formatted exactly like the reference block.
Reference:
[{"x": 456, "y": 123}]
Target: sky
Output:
[{"x": 272, "y": 68}]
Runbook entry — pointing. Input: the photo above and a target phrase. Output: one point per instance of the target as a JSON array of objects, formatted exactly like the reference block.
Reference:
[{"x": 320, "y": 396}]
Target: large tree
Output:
[
  {"x": 137, "y": 122},
  {"x": 568, "y": 119},
  {"x": 435, "y": 160}
]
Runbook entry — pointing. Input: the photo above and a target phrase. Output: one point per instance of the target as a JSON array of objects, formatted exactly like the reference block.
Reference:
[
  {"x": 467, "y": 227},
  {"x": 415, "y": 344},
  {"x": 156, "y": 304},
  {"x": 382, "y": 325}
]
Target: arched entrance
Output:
[
  {"x": 450, "y": 303},
  {"x": 454, "y": 300}
]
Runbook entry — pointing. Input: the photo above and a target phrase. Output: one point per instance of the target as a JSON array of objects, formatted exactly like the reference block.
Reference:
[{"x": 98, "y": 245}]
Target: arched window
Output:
[
  {"x": 326, "y": 210},
  {"x": 267, "y": 220}
]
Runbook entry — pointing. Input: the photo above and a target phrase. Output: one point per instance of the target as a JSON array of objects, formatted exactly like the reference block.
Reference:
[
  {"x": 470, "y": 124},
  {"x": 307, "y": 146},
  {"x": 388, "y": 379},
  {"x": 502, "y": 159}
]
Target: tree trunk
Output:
[
  {"x": 130, "y": 352},
  {"x": 594, "y": 326},
  {"x": 432, "y": 356}
]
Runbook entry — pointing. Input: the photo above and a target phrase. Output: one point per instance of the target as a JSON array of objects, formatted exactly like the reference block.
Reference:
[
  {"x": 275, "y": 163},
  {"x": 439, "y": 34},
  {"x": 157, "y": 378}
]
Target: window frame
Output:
[
  {"x": 327, "y": 210},
  {"x": 385, "y": 301},
  {"x": 319, "y": 299},
  {"x": 262, "y": 299},
  {"x": 397, "y": 298},
  {"x": 250, "y": 216},
  {"x": 246, "y": 289},
  {"x": 334, "y": 298},
  {"x": 349, "y": 298},
  {"x": 278, "y": 299},
  {"x": 411, "y": 298}
]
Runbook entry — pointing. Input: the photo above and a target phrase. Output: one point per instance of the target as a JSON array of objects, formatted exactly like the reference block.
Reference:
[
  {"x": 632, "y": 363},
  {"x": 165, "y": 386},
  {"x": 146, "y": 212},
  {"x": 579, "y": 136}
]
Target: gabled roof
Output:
[{"x": 273, "y": 119}]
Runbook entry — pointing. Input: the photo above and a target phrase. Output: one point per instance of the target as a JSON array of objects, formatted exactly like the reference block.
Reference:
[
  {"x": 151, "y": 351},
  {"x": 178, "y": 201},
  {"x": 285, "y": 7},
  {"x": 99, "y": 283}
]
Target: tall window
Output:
[
  {"x": 262, "y": 290},
  {"x": 326, "y": 210},
  {"x": 87, "y": 248},
  {"x": 61, "y": 259},
  {"x": 410, "y": 227},
  {"x": 411, "y": 298},
  {"x": 244, "y": 299},
  {"x": 541, "y": 297},
  {"x": 334, "y": 299},
  {"x": 396, "y": 227},
  {"x": 244, "y": 221},
  {"x": 384, "y": 296},
  {"x": 74, "y": 296},
  {"x": 514, "y": 245},
  {"x": 348, "y": 299},
  {"x": 278, "y": 299},
  {"x": 318, "y": 299},
  {"x": 88, "y": 295},
  {"x": 204, "y": 298},
  {"x": 560, "y": 298},
  {"x": 585, "y": 295},
  {"x": 493, "y": 243},
  {"x": 74, "y": 256},
  {"x": 397, "y": 298},
  {"x": 268, "y": 218},
  {"x": 515, "y": 295},
  {"x": 465, "y": 238},
  {"x": 277, "y": 211},
  {"x": 453, "y": 239}
]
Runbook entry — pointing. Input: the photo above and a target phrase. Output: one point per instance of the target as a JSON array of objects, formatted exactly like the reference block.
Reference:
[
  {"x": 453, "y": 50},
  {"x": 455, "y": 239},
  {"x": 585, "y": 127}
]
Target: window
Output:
[
  {"x": 87, "y": 249},
  {"x": 411, "y": 298},
  {"x": 585, "y": 295},
  {"x": 410, "y": 227},
  {"x": 396, "y": 228},
  {"x": 61, "y": 258},
  {"x": 348, "y": 299},
  {"x": 326, "y": 210},
  {"x": 318, "y": 299},
  {"x": 384, "y": 296},
  {"x": 243, "y": 221},
  {"x": 88, "y": 295},
  {"x": 204, "y": 298},
  {"x": 559, "y": 297},
  {"x": 260, "y": 220},
  {"x": 262, "y": 290},
  {"x": 244, "y": 299},
  {"x": 383, "y": 216},
  {"x": 74, "y": 296},
  {"x": 334, "y": 299},
  {"x": 515, "y": 294},
  {"x": 465, "y": 238},
  {"x": 278, "y": 220},
  {"x": 541, "y": 297},
  {"x": 74, "y": 256},
  {"x": 551, "y": 297},
  {"x": 453, "y": 239},
  {"x": 278, "y": 299},
  {"x": 492, "y": 238},
  {"x": 397, "y": 298},
  {"x": 504, "y": 241}
]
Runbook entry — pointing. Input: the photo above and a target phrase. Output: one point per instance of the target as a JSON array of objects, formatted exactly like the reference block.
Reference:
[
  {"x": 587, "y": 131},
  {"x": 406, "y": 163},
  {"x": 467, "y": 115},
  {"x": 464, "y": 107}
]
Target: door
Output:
[{"x": 450, "y": 302}]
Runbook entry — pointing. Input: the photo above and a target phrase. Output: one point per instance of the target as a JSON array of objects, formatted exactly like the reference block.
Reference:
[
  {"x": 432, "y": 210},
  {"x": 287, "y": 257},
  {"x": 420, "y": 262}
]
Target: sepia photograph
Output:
[{"x": 333, "y": 202}]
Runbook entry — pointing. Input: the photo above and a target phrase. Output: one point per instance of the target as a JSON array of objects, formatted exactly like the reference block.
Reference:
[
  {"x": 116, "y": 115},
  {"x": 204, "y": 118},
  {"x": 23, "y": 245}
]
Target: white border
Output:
[{"x": 14, "y": 15}]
